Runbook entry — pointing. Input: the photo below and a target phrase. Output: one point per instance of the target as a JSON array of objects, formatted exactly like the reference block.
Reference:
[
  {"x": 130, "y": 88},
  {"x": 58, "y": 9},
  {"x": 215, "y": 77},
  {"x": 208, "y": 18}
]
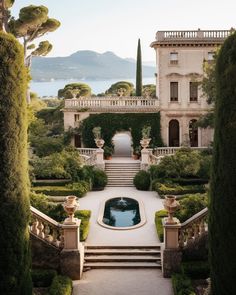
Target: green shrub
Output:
[
  {"x": 51, "y": 182},
  {"x": 84, "y": 215},
  {"x": 15, "y": 257},
  {"x": 159, "y": 215},
  {"x": 61, "y": 285},
  {"x": 99, "y": 179},
  {"x": 182, "y": 285},
  {"x": 142, "y": 180},
  {"x": 175, "y": 189},
  {"x": 191, "y": 205},
  {"x": 78, "y": 189},
  {"x": 205, "y": 167},
  {"x": 43, "y": 277},
  {"x": 196, "y": 269}
]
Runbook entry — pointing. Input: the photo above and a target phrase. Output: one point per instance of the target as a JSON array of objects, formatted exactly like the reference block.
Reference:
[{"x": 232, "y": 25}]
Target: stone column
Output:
[
  {"x": 171, "y": 254},
  {"x": 72, "y": 255},
  {"x": 144, "y": 159},
  {"x": 100, "y": 159}
]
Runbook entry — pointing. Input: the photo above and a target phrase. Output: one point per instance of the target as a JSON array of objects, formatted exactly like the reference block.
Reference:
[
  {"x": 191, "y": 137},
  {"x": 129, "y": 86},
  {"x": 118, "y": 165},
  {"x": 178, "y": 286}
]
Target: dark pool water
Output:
[{"x": 121, "y": 212}]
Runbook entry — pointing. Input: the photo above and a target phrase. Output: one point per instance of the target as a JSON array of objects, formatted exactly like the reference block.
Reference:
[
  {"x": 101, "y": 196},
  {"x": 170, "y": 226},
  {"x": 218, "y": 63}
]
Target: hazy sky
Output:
[{"x": 116, "y": 25}]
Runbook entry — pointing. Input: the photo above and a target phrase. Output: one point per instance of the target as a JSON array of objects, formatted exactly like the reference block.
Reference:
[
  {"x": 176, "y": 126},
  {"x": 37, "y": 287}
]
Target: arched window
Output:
[
  {"x": 193, "y": 133},
  {"x": 174, "y": 133}
]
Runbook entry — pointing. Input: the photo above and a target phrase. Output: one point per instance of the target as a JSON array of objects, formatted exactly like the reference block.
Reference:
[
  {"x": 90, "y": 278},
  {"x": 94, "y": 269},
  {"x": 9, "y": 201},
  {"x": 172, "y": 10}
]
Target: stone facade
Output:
[{"x": 179, "y": 69}]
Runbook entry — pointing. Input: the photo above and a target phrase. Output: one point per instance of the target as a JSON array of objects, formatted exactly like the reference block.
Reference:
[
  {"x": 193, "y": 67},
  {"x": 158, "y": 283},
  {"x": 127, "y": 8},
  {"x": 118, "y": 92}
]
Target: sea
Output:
[{"x": 47, "y": 89}]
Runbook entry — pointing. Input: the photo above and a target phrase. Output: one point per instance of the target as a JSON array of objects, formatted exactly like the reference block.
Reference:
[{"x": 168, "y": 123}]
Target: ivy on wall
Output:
[{"x": 112, "y": 123}]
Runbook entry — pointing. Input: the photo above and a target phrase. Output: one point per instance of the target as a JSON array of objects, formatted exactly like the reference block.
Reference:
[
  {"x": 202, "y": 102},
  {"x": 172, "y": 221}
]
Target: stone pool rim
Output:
[{"x": 141, "y": 212}]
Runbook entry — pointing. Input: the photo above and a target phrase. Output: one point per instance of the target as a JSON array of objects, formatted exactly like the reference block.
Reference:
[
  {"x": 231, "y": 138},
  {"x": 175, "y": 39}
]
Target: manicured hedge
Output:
[
  {"x": 182, "y": 285},
  {"x": 43, "y": 277},
  {"x": 129, "y": 121},
  {"x": 175, "y": 189},
  {"x": 159, "y": 215},
  {"x": 78, "y": 189},
  {"x": 142, "y": 180},
  {"x": 51, "y": 182},
  {"x": 61, "y": 285}
]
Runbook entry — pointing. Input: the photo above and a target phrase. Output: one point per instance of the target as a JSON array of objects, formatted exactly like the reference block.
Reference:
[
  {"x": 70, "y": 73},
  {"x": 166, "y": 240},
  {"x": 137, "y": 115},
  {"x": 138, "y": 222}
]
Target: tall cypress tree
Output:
[
  {"x": 222, "y": 227},
  {"x": 139, "y": 86},
  {"x": 14, "y": 198}
]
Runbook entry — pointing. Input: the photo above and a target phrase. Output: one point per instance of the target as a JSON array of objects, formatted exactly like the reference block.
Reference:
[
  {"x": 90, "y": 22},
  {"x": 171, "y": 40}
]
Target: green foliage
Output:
[
  {"x": 74, "y": 89},
  {"x": 142, "y": 180},
  {"x": 61, "y": 285},
  {"x": 159, "y": 215},
  {"x": 196, "y": 269},
  {"x": 222, "y": 213},
  {"x": 99, "y": 179},
  {"x": 66, "y": 164},
  {"x": 191, "y": 205},
  {"x": 78, "y": 189},
  {"x": 185, "y": 163},
  {"x": 175, "y": 189},
  {"x": 182, "y": 285},
  {"x": 117, "y": 122},
  {"x": 126, "y": 87},
  {"x": 14, "y": 201},
  {"x": 139, "y": 86},
  {"x": 108, "y": 151},
  {"x": 43, "y": 277},
  {"x": 33, "y": 22},
  {"x": 150, "y": 90}
]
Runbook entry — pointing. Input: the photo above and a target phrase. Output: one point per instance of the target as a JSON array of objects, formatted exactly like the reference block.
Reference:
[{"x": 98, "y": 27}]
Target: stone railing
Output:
[
  {"x": 193, "y": 228},
  {"x": 46, "y": 228},
  {"x": 89, "y": 160},
  {"x": 207, "y": 35},
  {"x": 163, "y": 151},
  {"x": 87, "y": 151},
  {"x": 112, "y": 103}
]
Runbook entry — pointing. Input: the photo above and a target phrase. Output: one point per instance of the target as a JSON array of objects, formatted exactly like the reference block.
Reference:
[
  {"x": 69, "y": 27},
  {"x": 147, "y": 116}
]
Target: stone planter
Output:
[
  {"x": 145, "y": 142},
  {"x": 171, "y": 205},
  {"x": 70, "y": 206},
  {"x": 99, "y": 143}
]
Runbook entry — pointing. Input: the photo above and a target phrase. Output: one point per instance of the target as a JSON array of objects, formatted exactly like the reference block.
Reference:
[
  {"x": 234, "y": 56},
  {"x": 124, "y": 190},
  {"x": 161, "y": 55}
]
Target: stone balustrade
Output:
[
  {"x": 87, "y": 151},
  {"x": 46, "y": 228},
  {"x": 193, "y": 228},
  {"x": 112, "y": 103},
  {"x": 194, "y": 35},
  {"x": 90, "y": 160},
  {"x": 162, "y": 151}
]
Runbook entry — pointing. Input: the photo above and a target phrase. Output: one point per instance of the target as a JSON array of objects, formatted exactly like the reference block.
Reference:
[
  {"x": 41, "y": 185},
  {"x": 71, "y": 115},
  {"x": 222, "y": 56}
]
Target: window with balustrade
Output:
[
  {"x": 174, "y": 91},
  {"x": 193, "y": 91}
]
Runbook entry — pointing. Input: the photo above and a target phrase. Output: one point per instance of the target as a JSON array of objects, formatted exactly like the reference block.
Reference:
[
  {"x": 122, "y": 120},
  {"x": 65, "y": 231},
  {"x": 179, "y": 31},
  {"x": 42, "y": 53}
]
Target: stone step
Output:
[
  {"x": 122, "y": 252},
  {"x": 124, "y": 247},
  {"x": 122, "y": 258},
  {"x": 117, "y": 265}
]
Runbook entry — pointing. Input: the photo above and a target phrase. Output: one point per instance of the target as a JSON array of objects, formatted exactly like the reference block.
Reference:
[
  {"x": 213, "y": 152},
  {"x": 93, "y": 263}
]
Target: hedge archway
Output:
[{"x": 111, "y": 123}]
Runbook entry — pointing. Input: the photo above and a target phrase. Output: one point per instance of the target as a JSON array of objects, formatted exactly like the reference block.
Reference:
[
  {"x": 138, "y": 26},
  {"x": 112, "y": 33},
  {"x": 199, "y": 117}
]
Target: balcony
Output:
[{"x": 112, "y": 104}]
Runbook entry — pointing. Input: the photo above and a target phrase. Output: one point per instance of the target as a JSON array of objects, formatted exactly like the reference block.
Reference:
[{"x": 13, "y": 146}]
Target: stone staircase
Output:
[
  {"x": 121, "y": 173},
  {"x": 124, "y": 257}
]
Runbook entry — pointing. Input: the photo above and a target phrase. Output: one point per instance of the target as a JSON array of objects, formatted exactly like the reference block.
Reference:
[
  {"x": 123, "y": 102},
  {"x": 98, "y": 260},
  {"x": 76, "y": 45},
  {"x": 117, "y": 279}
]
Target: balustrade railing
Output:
[
  {"x": 193, "y": 228},
  {"x": 46, "y": 228},
  {"x": 86, "y": 151},
  {"x": 193, "y": 35},
  {"x": 111, "y": 102},
  {"x": 162, "y": 151}
]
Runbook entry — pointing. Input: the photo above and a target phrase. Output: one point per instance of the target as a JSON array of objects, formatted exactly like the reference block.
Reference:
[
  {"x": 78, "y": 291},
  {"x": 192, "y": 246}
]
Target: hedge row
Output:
[
  {"x": 61, "y": 285},
  {"x": 182, "y": 285},
  {"x": 159, "y": 215},
  {"x": 78, "y": 189}
]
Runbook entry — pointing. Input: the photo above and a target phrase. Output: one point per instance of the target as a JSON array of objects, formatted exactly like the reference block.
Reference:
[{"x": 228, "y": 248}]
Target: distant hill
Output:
[{"x": 86, "y": 65}]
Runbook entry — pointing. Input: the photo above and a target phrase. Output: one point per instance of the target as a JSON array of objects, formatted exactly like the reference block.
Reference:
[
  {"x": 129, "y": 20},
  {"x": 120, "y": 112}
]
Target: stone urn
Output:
[
  {"x": 145, "y": 142},
  {"x": 171, "y": 205},
  {"x": 99, "y": 142},
  {"x": 70, "y": 206}
]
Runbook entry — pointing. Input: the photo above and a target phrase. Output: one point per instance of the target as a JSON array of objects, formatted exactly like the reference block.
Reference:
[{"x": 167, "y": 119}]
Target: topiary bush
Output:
[
  {"x": 159, "y": 215},
  {"x": 15, "y": 255},
  {"x": 142, "y": 180},
  {"x": 99, "y": 180},
  {"x": 182, "y": 285},
  {"x": 61, "y": 285}
]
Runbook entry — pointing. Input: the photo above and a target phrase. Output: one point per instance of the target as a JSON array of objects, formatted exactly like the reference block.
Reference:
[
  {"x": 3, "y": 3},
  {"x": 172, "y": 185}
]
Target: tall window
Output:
[
  {"x": 173, "y": 58},
  {"x": 193, "y": 91},
  {"x": 173, "y": 91}
]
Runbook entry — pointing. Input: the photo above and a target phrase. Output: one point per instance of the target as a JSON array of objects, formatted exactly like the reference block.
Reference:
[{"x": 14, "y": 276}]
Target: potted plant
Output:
[
  {"x": 145, "y": 136},
  {"x": 137, "y": 153},
  {"x": 108, "y": 151},
  {"x": 98, "y": 139}
]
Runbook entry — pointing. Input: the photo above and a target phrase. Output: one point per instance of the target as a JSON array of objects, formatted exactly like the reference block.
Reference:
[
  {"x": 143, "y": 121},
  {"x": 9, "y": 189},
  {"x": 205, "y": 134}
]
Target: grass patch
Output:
[{"x": 159, "y": 215}]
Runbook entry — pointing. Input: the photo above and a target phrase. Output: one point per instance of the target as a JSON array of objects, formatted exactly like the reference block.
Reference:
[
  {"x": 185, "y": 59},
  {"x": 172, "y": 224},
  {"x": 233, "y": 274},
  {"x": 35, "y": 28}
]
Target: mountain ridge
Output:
[{"x": 86, "y": 64}]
